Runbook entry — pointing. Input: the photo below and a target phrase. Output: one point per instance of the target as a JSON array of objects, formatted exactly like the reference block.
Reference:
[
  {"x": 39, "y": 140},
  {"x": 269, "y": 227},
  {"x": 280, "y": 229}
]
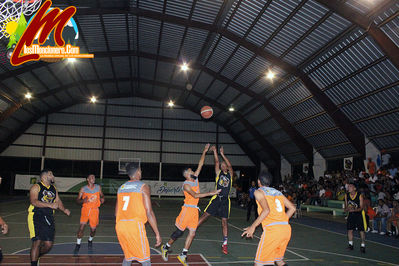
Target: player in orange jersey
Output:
[
  {"x": 133, "y": 209},
  {"x": 91, "y": 197},
  {"x": 188, "y": 217},
  {"x": 274, "y": 220}
]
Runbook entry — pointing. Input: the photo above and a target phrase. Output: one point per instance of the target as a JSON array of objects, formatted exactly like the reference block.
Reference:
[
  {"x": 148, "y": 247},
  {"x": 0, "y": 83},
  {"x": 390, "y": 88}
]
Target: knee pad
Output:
[{"x": 176, "y": 234}]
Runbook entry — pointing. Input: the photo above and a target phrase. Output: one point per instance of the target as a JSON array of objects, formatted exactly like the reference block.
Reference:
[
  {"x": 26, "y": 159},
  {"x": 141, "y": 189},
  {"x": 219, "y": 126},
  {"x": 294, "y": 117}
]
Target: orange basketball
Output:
[{"x": 206, "y": 112}]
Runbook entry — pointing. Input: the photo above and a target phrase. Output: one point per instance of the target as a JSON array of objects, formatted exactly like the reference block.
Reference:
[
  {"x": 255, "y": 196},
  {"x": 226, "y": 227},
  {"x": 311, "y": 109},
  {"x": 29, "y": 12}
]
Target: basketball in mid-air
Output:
[{"x": 206, "y": 112}]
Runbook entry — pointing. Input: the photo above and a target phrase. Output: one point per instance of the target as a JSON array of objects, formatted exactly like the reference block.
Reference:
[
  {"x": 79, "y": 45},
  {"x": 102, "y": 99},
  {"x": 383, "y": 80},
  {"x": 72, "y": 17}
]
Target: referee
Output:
[
  {"x": 44, "y": 200},
  {"x": 356, "y": 218}
]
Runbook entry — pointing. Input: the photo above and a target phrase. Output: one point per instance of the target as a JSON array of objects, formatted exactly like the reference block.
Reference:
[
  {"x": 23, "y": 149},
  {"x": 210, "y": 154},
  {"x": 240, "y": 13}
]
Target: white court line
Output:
[
  {"x": 206, "y": 261},
  {"x": 325, "y": 230},
  {"x": 236, "y": 227},
  {"x": 15, "y": 213},
  {"x": 251, "y": 261},
  {"x": 343, "y": 255}
]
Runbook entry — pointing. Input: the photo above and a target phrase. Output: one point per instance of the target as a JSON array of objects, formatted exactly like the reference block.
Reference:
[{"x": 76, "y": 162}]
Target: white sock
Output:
[
  {"x": 167, "y": 245},
  {"x": 362, "y": 245},
  {"x": 351, "y": 243},
  {"x": 91, "y": 238},
  {"x": 78, "y": 241}
]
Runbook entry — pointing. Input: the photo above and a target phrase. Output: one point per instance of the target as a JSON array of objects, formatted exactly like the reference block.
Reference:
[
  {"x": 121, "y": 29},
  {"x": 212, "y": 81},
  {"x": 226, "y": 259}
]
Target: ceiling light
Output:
[
  {"x": 231, "y": 109},
  {"x": 93, "y": 99},
  {"x": 71, "y": 60},
  {"x": 270, "y": 74},
  {"x": 184, "y": 67},
  {"x": 28, "y": 95},
  {"x": 171, "y": 103}
]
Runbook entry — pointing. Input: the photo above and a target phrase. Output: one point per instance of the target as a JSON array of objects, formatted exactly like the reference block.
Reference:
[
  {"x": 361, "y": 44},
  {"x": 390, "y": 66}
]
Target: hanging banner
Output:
[
  {"x": 348, "y": 163},
  {"x": 110, "y": 186},
  {"x": 305, "y": 168}
]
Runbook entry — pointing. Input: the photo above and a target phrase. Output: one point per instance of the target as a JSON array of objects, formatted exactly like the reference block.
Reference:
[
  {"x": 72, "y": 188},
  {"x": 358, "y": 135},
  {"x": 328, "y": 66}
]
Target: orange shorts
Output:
[
  {"x": 90, "y": 215},
  {"x": 133, "y": 240},
  {"x": 188, "y": 218},
  {"x": 273, "y": 244}
]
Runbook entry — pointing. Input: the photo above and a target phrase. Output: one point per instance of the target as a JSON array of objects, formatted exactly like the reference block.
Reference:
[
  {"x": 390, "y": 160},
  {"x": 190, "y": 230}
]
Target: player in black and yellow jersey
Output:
[
  {"x": 356, "y": 218},
  {"x": 219, "y": 205},
  {"x": 44, "y": 200},
  {"x": 4, "y": 230}
]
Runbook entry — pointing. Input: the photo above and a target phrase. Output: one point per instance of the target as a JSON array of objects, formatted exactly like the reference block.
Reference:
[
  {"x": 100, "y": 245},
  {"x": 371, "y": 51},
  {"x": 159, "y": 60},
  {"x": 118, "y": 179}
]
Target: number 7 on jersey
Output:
[{"x": 126, "y": 200}]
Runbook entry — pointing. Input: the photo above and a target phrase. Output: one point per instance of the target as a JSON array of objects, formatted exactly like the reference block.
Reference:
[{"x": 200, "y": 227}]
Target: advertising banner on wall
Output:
[
  {"x": 110, "y": 186},
  {"x": 348, "y": 163}
]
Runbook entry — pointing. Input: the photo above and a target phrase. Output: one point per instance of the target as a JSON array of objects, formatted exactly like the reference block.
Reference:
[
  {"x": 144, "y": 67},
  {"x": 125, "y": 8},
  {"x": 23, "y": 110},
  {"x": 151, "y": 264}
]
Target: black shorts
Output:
[
  {"x": 41, "y": 226},
  {"x": 356, "y": 221},
  {"x": 219, "y": 207}
]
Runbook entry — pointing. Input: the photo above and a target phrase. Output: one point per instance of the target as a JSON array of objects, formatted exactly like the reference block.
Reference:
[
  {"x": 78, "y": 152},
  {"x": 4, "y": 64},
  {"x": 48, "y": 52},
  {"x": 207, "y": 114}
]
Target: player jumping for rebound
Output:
[
  {"x": 188, "y": 217},
  {"x": 274, "y": 219},
  {"x": 356, "y": 218},
  {"x": 219, "y": 205},
  {"x": 133, "y": 209},
  {"x": 91, "y": 197}
]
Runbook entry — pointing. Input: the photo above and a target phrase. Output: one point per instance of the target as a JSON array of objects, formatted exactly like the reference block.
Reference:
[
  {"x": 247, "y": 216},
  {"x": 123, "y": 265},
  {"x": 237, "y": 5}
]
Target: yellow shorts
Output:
[
  {"x": 273, "y": 244},
  {"x": 133, "y": 240},
  {"x": 188, "y": 218},
  {"x": 90, "y": 215}
]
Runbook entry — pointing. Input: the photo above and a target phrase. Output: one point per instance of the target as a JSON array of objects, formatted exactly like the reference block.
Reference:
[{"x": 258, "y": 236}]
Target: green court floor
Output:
[{"x": 308, "y": 246}]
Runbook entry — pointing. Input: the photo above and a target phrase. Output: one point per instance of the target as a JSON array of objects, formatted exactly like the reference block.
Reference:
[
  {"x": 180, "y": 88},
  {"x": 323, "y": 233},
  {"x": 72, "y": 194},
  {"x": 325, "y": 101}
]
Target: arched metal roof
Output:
[{"x": 337, "y": 66}]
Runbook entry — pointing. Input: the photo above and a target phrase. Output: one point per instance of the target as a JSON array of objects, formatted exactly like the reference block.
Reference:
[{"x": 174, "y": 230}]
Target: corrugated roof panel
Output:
[
  {"x": 103, "y": 66},
  {"x": 115, "y": 27},
  {"x": 46, "y": 77},
  {"x": 338, "y": 151},
  {"x": 121, "y": 65},
  {"x": 179, "y": 8},
  {"x": 362, "y": 6},
  {"x": 147, "y": 68},
  {"x": 241, "y": 101},
  {"x": 203, "y": 82},
  {"x": 90, "y": 26},
  {"x": 315, "y": 124},
  {"x": 293, "y": 94},
  {"x": 237, "y": 62},
  {"x": 222, "y": 52},
  {"x": 148, "y": 35},
  {"x": 368, "y": 80},
  {"x": 327, "y": 138},
  {"x": 391, "y": 30},
  {"x": 286, "y": 82},
  {"x": 63, "y": 74},
  {"x": 380, "y": 125},
  {"x": 245, "y": 15},
  {"x": 88, "y": 73},
  {"x": 258, "y": 115},
  {"x": 324, "y": 33},
  {"x": 216, "y": 88},
  {"x": 171, "y": 39},
  {"x": 278, "y": 137},
  {"x": 33, "y": 83},
  {"x": 303, "y": 110},
  {"x": 387, "y": 142},
  {"x": 303, "y": 20},
  {"x": 274, "y": 15},
  {"x": 227, "y": 97},
  {"x": 246, "y": 136},
  {"x": 164, "y": 71},
  {"x": 375, "y": 104},
  {"x": 207, "y": 10},
  {"x": 256, "y": 68},
  {"x": 153, "y": 5},
  {"x": 352, "y": 59},
  {"x": 193, "y": 43},
  {"x": 268, "y": 126}
]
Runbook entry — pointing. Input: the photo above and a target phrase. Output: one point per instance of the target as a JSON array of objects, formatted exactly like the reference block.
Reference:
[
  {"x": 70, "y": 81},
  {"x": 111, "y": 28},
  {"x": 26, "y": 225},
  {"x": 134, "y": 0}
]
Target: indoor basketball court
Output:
[{"x": 121, "y": 120}]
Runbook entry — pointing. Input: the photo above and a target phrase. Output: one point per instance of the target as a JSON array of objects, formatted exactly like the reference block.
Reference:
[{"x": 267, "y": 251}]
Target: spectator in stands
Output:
[
  {"x": 394, "y": 219},
  {"x": 252, "y": 201},
  {"x": 371, "y": 167},
  {"x": 381, "y": 216},
  {"x": 385, "y": 159},
  {"x": 393, "y": 170}
]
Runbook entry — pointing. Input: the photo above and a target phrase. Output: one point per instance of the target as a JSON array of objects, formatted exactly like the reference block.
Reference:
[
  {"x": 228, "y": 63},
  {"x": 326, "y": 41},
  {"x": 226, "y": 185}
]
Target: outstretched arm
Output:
[
  {"x": 4, "y": 226},
  {"x": 61, "y": 205},
  {"x": 196, "y": 195},
  {"x": 150, "y": 213},
  {"x": 215, "y": 155},
  {"x": 290, "y": 206},
  {"x": 249, "y": 231},
  {"x": 227, "y": 161},
  {"x": 201, "y": 161}
]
